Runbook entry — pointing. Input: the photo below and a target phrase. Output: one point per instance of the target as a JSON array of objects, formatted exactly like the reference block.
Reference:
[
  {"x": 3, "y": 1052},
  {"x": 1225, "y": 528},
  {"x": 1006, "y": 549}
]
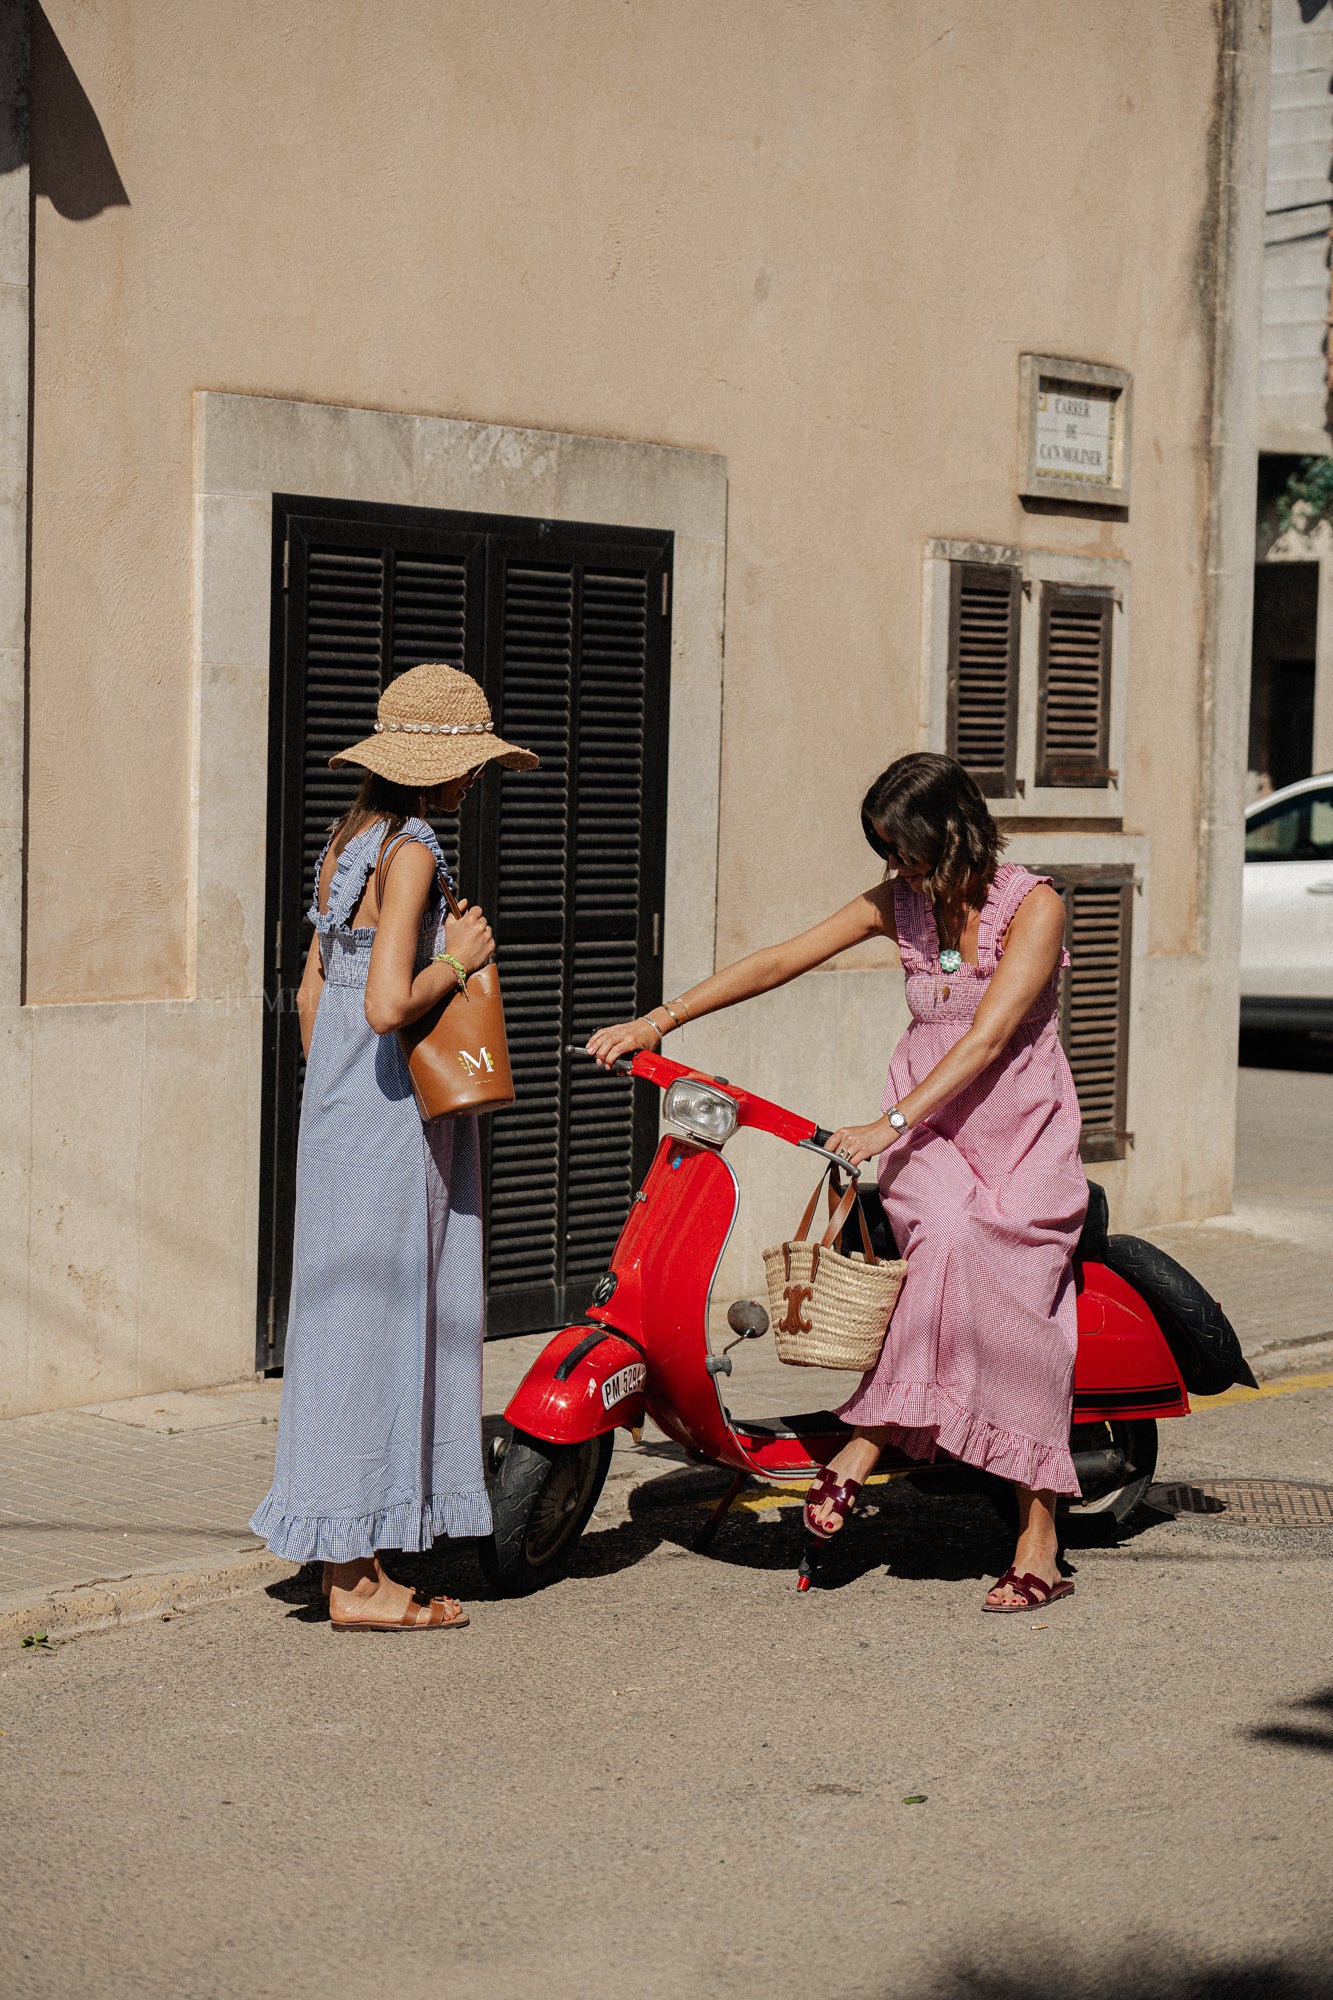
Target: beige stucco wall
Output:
[{"x": 811, "y": 240}]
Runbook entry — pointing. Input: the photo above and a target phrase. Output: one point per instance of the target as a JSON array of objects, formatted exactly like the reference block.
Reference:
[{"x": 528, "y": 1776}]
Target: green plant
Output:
[{"x": 1308, "y": 494}]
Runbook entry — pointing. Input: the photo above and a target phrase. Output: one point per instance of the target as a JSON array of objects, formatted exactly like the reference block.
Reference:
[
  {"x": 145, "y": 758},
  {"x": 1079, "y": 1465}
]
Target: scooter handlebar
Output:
[
  {"x": 622, "y": 1066},
  {"x": 756, "y": 1111}
]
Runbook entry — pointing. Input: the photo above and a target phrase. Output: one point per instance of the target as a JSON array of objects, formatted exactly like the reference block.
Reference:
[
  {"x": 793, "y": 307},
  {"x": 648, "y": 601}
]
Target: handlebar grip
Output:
[
  {"x": 622, "y": 1066},
  {"x": 821, "y": 1135}
]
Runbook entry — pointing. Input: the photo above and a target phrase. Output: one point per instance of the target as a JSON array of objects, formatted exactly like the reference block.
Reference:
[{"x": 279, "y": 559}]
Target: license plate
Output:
[{"x": 623, "y": 1383}]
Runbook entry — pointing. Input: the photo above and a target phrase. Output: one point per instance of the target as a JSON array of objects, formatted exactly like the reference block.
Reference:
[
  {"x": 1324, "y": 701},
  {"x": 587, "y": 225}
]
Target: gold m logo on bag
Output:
[
  {"x": 797, "y": 1297},
  {"x": 478, "y": 1065}
]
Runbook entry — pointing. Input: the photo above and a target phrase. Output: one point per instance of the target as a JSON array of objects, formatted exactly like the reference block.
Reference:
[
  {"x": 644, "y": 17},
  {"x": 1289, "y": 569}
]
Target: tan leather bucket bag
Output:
[{"x": 457, "y": 1052}]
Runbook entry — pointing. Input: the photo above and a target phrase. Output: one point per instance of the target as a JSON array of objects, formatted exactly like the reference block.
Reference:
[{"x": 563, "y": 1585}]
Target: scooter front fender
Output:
[{"x": 585, "y": 1381}]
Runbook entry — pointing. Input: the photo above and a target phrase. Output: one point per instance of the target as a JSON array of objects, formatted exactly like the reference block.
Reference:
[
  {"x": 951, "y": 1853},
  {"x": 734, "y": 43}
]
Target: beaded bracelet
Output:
[{"x": 459, "y": 969}]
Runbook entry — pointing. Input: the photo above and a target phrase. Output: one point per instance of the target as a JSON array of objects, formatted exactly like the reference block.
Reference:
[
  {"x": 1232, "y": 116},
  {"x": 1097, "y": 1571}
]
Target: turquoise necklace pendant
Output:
[{"x": 950, "y": 959}]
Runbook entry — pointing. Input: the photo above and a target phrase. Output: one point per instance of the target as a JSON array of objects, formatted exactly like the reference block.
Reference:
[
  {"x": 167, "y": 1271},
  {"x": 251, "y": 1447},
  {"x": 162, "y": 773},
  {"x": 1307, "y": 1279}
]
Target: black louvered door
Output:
[
  {"x": 568, "y": 627},
  {"x": 572, "y": 866}
]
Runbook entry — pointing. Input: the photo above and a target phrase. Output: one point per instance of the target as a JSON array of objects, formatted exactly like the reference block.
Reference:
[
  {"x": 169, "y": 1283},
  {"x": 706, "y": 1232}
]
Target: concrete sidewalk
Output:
[{"x": 121, "y": 1510}]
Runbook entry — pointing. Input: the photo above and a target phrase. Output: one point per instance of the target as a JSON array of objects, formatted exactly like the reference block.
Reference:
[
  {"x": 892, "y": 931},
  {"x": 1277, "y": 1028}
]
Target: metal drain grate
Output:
[{"x": 1249, "y": 1503}]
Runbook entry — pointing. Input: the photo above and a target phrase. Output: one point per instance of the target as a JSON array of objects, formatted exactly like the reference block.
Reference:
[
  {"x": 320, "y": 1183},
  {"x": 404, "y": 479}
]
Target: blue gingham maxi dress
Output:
[{"x": 379, "y": 1433}]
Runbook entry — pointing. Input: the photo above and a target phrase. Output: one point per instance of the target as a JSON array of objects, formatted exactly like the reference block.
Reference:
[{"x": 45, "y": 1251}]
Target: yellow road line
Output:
[
  {"x": 763, "y": 1497},
  {"x": 1289, "y": 1385}
]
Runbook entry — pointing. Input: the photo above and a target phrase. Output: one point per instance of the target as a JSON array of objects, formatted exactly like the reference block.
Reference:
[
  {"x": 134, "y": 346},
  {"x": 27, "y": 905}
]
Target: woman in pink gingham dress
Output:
[{"x": 979, "y": 1166}]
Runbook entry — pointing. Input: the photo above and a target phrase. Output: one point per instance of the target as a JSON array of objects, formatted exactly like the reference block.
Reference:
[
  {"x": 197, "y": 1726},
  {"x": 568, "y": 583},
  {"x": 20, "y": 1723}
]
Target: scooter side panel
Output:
[
  {"x": 665, "y": 1263},
  {"x": 602, "y": 1391},
  {"x": 1124, "y": 1367}
]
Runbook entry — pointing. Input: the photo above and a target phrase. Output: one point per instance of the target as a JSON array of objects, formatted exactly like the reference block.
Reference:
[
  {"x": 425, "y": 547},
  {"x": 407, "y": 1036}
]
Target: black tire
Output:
[
  {"x": 541, "y": 1500},
  {"x": 1198, "y": 1332},
  {"x": 1116, "y": 1494}
]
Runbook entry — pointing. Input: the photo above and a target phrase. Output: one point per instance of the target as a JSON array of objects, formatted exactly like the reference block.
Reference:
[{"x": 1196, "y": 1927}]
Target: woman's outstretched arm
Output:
[
  {"x": 1032, "y": 950},
  {"x": 867, "y": 916}
]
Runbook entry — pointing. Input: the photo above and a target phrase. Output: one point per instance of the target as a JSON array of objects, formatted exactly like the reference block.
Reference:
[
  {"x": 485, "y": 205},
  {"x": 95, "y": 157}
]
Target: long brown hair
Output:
[
  {"x": 378, "y": 798},
  {"x": 929, "y": 811}
]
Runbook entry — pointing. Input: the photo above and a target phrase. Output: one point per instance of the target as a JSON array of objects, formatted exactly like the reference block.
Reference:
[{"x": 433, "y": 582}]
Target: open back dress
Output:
[
  {"x": 986, "y": 1199},
  {"x": 379, "y": 1432}
]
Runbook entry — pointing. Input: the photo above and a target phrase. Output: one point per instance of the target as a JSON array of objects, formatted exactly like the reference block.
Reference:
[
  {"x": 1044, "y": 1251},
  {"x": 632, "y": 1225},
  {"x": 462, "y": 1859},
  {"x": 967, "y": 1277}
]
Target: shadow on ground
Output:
[
  {"x": 1157, "y": 1975},
  {"x": 1314, "y": 1734},
  {"x": 950, "y": 1538}
]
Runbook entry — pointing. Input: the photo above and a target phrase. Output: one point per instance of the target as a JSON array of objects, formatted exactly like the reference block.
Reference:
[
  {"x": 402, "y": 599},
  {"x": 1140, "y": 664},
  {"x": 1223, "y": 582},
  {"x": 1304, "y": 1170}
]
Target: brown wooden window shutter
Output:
[
  {"x": 1074, "y": 686},
  {"x": 1094, "y": 1000},
  {"x": 983, "y": 673}
]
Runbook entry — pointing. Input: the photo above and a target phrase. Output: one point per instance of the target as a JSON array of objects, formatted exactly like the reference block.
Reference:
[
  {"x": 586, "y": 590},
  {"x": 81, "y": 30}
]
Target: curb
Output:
[
  {"x": 109, "y": 1602},
  {"x": 1296, "y": 1357}
]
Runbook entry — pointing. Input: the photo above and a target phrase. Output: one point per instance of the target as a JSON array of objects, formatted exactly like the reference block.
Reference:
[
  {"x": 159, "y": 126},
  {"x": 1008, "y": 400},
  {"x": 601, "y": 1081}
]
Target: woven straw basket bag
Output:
[{"x": 830, "y": 1311}]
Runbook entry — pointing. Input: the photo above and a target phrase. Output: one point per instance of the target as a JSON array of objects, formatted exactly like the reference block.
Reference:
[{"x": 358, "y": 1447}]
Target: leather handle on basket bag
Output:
[{"x": 839, "y": 1211}]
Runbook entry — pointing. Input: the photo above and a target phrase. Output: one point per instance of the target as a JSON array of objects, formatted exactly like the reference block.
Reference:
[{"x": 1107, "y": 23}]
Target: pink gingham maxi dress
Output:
[{"x": 986, "y": 1199}]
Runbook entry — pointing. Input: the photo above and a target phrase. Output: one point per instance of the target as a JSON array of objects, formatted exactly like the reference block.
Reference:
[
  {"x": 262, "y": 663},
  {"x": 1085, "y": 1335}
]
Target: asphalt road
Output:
[{"x": 672, "y": 1776}]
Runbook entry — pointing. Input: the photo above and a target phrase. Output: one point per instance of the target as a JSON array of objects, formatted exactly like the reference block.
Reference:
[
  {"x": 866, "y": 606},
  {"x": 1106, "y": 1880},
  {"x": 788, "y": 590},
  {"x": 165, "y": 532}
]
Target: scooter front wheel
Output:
[{"x": 541, "y": 1500}]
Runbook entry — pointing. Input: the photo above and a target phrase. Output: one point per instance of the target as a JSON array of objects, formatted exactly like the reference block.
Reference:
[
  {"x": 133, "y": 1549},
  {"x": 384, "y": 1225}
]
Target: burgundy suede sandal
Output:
[
  {"x": 841, "y": 1492},
  {"x": 1033, "y": 1592}
]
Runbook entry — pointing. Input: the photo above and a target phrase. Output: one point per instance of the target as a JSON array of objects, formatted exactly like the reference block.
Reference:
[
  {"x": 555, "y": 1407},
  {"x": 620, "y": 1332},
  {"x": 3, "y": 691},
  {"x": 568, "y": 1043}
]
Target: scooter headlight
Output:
[{"x": 709, "y": 1114}]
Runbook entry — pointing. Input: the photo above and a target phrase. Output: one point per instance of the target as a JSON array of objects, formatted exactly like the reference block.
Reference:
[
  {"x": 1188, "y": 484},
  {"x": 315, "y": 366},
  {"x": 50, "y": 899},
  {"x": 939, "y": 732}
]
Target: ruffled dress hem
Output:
[
  {"x": 413, "y": 1525},
  {"x": 924, "y": 1421}
]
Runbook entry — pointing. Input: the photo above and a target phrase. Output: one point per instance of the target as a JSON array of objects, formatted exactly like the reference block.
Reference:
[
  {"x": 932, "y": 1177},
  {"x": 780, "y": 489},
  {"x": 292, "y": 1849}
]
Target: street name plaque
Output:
[{"x": 1073, "y": 431}]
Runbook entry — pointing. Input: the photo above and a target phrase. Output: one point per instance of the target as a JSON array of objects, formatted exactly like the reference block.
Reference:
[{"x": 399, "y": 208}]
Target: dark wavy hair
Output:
[{"x": 927, "y": 810}]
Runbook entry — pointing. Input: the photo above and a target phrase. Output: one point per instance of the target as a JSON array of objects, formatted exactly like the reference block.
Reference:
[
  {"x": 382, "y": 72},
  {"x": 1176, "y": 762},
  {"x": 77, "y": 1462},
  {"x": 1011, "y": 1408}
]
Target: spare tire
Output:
[{"x": 1198, "y": 1332}]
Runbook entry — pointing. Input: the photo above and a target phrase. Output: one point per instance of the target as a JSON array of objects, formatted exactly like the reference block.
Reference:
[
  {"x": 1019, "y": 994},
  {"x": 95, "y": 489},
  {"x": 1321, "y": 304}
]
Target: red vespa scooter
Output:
[{"x": 643, "y": 1349}]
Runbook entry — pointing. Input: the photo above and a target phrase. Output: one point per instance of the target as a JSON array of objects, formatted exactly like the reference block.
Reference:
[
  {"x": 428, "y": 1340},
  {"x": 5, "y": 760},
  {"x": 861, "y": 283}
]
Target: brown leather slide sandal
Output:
[
  {"x": 1032, "y": 1593},
  {"x": 437, "y": 1614}
]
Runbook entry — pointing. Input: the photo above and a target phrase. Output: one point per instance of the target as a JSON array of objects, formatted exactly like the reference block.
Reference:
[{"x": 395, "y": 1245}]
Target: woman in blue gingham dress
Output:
[{"x": 379, "y": 1439}]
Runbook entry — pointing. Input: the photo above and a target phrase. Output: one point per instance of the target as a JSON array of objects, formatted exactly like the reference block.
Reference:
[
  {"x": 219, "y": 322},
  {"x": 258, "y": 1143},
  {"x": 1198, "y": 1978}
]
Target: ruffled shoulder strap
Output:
[
  {"x": 1011, "y": 885},
  {"x": 910, "y": 921},
  {"x": 356, "y": 863},
  {"x": 349, "y": 879}
]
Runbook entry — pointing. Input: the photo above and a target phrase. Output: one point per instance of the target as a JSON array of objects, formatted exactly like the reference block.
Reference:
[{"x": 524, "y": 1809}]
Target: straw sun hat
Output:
[{"x": 434, "y": 724}]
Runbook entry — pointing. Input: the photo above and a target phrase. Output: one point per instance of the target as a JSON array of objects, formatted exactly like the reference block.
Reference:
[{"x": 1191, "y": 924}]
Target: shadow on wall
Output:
[
  {"x": 1157, "y": 1975},
  {"x": 71, "y": 161},
  {"x": 1312, "y": 8}
]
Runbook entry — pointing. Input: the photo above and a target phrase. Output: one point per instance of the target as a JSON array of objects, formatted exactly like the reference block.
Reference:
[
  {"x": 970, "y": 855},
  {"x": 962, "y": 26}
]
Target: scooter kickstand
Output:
[
  {"x": 812, "y": 1561},
  {"x": 704, "y": 1539}
]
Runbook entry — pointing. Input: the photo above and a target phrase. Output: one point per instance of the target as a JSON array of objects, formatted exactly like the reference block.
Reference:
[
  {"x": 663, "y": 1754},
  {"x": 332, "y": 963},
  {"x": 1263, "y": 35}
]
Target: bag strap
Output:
[
  {"x": 839, "y": 1212},
  {"x": 804, "y": 1226},
  {"x": 388, "y": 849}
]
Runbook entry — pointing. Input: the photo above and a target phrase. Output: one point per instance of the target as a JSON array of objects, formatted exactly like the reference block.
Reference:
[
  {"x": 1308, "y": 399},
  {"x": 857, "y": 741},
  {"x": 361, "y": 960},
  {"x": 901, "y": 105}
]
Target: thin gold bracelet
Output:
[{"x": 674, "y": 1015}]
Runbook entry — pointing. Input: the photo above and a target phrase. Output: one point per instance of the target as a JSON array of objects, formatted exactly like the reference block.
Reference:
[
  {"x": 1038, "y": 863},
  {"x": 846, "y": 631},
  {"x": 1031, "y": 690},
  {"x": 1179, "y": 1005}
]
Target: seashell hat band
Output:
[{"x": 434, "y": 724}]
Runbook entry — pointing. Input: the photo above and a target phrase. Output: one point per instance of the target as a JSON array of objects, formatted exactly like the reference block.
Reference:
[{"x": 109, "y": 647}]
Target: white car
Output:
[{"x": 1286, "y": 947}]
